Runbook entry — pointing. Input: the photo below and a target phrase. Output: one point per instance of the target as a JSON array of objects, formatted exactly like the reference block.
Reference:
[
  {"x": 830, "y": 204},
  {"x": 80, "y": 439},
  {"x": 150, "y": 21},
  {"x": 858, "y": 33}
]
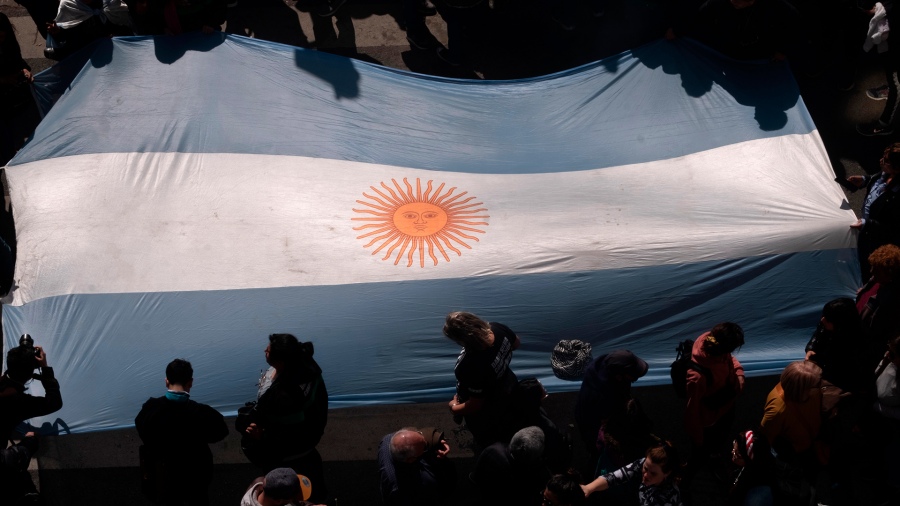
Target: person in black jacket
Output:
[
  {"x": 290, "y": 413},
  {"x": 17, "y": 406},
  {"x": 880, "y": 220},
  {"x": 176, "y": 432}
]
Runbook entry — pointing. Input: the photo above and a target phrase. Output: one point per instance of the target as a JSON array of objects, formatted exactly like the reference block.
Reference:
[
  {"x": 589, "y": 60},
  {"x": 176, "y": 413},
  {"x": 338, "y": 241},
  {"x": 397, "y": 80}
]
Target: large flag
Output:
[{"x": 190, "y": 202}]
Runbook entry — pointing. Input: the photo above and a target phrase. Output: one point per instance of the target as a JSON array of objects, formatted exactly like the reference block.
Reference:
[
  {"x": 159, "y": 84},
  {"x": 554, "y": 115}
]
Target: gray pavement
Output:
[{"x": 518, "y": 39}]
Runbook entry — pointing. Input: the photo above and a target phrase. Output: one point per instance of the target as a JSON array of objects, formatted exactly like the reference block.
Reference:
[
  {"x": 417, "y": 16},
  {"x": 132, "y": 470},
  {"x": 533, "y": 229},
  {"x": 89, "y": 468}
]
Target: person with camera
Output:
[
  {"x": 16, "y": 406},
  {"x": 414, "y": 467}
]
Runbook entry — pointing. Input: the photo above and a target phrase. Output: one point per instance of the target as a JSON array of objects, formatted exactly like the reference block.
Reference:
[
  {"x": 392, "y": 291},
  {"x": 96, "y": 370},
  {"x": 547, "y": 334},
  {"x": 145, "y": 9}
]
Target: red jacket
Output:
[{"x": 703, "y": 410}]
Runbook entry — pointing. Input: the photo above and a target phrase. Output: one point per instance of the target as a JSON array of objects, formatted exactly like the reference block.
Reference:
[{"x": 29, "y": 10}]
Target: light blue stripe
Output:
[
  {"x": 382, "y": 342},
  {"x": 238, "y": 95}
]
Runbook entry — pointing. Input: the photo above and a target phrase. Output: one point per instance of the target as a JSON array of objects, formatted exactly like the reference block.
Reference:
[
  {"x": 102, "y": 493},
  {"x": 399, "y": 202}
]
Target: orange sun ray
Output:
[{"x": 404, "y": 221}]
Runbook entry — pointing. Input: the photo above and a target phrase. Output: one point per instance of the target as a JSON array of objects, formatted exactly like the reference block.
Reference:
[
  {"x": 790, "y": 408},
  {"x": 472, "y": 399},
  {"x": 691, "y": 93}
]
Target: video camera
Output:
[
  {"x": 22, "y": 360},
  {"x": 25, "y": 341}
]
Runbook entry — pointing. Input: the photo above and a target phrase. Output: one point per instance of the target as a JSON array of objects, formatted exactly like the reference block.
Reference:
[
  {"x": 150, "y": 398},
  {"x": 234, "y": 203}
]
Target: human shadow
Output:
[
  {"x": 338, "y": 71},
  {"x": 270, "y": 20},
  {"x": 748, "y": 82},
  {"x": 47, "y": 428},
  {"x": 170, "y": 48}
]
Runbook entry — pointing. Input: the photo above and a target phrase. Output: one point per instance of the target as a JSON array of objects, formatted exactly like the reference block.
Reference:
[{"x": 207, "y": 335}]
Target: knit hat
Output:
[
  {"x": 569, "y": 358},
  {"x": 282, "y": 483}
]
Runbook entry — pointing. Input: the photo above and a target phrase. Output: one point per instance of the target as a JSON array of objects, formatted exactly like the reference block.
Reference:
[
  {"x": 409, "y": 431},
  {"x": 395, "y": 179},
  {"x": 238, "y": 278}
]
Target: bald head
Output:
[{"x": 407, "y": 445}]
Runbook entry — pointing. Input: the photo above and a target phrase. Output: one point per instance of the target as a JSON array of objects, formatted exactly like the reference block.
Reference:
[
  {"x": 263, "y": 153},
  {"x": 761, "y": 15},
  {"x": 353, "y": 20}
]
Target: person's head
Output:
[
  {"x": 885, "y": 264},
  {"x": 890, "y": 160},
  {"x": 623, "y": 365},
  {"x": 408, "y": 445},
  {"x": 281, "y": 487},
  {"x": 894, "y": 350},
  {"x": 527, "y": 445},
  {"x": 20, "y": 363},
  {"x": 800, "y": 380},
  {"x": 723, "y": 339},
  {"x": 841, "y": 315},
  {"x": 179, "y": 372},
  {"x": 659, "y": 463},
  {"x": 564, "y": 490},
  {"x": 468, "y": 330},
  {"x": 281, "y": 350}
]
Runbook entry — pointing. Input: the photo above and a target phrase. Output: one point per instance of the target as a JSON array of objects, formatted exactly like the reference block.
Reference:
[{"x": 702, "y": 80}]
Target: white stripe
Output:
[{"x": 112, "y": 223}]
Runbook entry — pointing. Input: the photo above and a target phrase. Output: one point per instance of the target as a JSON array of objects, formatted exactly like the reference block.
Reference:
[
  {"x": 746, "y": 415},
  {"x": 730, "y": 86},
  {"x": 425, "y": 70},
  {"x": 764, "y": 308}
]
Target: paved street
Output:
[{"x": 514, "y": 40}]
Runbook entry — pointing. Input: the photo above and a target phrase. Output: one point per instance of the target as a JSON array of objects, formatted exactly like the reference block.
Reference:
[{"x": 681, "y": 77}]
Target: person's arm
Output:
[
  {"x": 216, "y": 428},
  {"x": 738, "y": 372},
  {"x": 598, "y": 485},
  {"x": 52, "y": 399},
  {"x": 621, "y": 475},
  {"x": 471, "y": 406}
]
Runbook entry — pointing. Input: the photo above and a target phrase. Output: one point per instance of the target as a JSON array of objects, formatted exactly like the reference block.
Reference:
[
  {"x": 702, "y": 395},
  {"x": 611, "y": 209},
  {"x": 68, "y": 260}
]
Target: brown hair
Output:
[
  {"x": 467, "y": 330},
  {"x": 892, "y": 153},
  {"x": 665, "y": 456},
  {"x": 887, "y": 258}
]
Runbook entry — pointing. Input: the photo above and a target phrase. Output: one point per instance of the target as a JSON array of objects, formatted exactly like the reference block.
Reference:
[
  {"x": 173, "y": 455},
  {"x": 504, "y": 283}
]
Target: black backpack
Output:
[{"x": 682, "y": 364}]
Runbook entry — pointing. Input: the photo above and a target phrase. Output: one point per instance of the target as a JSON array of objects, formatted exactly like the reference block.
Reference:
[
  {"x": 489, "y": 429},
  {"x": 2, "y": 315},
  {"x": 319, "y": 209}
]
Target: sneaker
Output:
[
  {"x": 426, "y": 8},
  {"x": 423, "y": 40},
  {"x": 874, "y": 128},
  {"x": 879, "y": 93},
  {"x": 329, "y": 8},
  {"x": 447, "y": 57}
]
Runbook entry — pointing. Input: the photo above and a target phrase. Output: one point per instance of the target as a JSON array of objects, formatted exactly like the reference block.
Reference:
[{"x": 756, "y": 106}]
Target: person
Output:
[
  {"x": 414, "y": 468},
  {"x": 605, "y": 392},
  {"x": 176, "y": 432},
  {"x": 879, "y": 304},
  {"x": 886, "y": 122},
  {"x": 17, "y": 406},
  {"x": 290, "y": 414},
  {"x": 710, "y": 398},
  {"x": 80, "y": 22},
  {"x": 623, "y": 438},
  {"x": 834, "y": 345},
  {"x": 15, "y": 481},
  {"x": 743, "y": 29},
  {"x": 753, "y": 471},
  {"x": 280, "y": 487},
  {"x": 484, "y": 380},
  {"x": 512, "y": 473},
  {"x": 879, "y": 223},
  {"x": 791, "y": 424},
  {"x": 887, "y": 390},
  {"x": 564, "y": 489},
  {"x": 883, "y": 432},
  {"x": 15, "y": 96},
  {"x": 651, "y": 477}
]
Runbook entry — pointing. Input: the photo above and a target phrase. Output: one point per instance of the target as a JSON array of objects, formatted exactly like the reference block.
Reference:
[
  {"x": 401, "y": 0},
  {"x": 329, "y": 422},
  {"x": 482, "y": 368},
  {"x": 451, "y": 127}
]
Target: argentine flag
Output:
[{"x": 190, "y": 202}]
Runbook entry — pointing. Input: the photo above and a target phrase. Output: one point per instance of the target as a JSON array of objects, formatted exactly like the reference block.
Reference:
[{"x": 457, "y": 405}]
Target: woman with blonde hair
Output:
[{"x": 791, "y": 424}]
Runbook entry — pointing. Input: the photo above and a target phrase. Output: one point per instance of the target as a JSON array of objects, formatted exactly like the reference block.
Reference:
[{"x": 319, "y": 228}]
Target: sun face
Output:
[{"x": 417, "y": 222}]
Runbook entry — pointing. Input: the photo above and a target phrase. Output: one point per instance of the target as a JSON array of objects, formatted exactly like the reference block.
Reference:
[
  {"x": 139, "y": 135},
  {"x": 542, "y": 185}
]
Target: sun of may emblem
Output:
[{"x": 410, "y": 222}]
